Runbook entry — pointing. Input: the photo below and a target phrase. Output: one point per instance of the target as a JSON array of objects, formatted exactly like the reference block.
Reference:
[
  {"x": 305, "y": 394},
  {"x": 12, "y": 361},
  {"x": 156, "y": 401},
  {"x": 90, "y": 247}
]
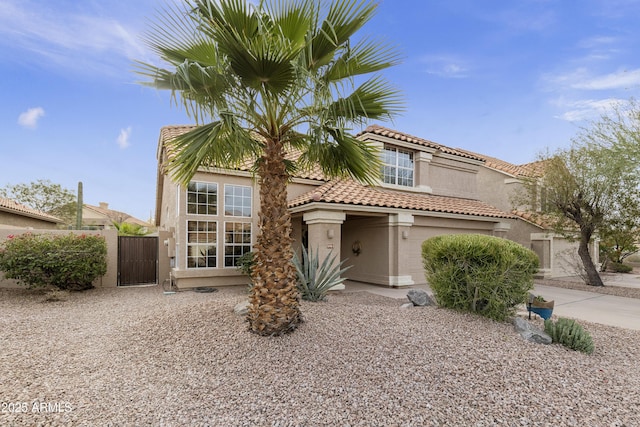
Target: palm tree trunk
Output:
[
  {"x": 274, "y": 307},
  {"x": 593, "y": 278}
]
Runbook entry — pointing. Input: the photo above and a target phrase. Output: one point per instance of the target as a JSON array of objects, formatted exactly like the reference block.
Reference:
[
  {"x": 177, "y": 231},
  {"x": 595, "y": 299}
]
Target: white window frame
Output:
[
  {"x": 213, "y": 244},
  {"x": 397, "y": 167},
  {"x": 226, "y": 245},
  {"x": 197, "y": 203},
  {"x": 241, "y": 197}
]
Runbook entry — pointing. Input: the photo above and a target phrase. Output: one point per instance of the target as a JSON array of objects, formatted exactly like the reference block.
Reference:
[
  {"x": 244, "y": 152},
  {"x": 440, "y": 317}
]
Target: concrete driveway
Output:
[
  {"x": 593, "y": 307},
  {"x": 588, "y": 306}
]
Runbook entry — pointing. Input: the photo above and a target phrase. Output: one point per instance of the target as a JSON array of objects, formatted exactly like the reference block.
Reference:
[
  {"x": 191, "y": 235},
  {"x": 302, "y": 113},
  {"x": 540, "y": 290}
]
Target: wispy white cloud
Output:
[
  {"x": 447, "y": 66},
  {"x": 589, "y": 109},
  {"x": 123, "y": 137},
  {"x": 588, "y": 96},
  {"x": 623, "y": 79},
  {"x": 29, "y": 119},
  {"x": 76, "y": 39}
]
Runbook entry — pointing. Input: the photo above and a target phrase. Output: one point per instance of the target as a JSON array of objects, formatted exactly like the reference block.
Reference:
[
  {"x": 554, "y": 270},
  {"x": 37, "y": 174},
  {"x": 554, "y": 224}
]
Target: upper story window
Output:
[
  {"x": 202, "y": 198},
  {"x": 237, "y": 200},
  {"x": 397, "y": 166}
]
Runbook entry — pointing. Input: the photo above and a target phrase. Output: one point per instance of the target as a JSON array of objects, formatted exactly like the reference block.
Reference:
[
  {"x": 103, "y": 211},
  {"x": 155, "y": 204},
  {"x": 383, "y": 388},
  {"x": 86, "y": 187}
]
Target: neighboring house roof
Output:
[
  {"x": 348, "y": 192},
  {"x": 404, "y": 137},
  {"x": 8, "y": 205},
  {"x": 115, "y": 216}
]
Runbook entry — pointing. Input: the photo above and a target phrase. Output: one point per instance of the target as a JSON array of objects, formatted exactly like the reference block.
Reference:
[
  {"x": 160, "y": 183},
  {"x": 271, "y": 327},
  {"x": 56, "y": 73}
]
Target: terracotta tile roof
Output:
[
  {"x": 116, "y": 216},
  {"x": 545, "y": 222},
  {"x": 14, "y": 207},
  {"x": 401, "y": 136},
  {"x": 527, "y": 169},
  {"x": 167, "y": 133},
  {"x": 349, "y": 192},
  {"x": 534, "y": 169}
]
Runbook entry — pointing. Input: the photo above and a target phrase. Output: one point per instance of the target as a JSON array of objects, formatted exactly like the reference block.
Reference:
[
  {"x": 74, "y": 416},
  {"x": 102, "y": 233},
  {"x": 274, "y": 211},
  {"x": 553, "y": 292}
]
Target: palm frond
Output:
[
  {"x": 367, "y": 56},
  {"x": 340, "y": 155},
  {"x": 218, "y": 144},
  {"x": 373, "y": 100},
  {"x": 342, "y": 21}
]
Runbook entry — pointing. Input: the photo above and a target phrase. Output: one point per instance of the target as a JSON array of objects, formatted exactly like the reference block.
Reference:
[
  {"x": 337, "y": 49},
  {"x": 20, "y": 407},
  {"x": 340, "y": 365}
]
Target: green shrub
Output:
[
  {"x": 486, "y": 275},
  {"x": 315, "y": 278},
  {"x": 245, "y": 263},
  {"x": 619, "y": 267},
  {"x": 570, "y": 334},
  {"x": 65, "y": 262}
]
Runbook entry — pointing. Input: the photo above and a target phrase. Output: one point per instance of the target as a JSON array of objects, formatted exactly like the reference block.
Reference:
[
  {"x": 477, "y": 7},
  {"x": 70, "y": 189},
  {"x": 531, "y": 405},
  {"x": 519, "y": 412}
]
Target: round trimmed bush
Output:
[{"x": 486, "y": 275}]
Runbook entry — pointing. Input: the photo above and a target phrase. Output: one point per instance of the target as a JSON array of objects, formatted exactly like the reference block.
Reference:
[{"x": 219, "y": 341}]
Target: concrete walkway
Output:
[{"x": 589, "y": 306}]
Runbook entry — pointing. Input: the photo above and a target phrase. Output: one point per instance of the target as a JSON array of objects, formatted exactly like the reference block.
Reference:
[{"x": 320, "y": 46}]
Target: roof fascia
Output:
[
  {"x": 50, "y": 219},
  {"x": 375, "y": 209}
]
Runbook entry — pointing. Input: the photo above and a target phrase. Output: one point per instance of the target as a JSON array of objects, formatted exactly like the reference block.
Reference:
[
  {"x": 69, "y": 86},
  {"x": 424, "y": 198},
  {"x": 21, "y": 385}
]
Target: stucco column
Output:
[
  {"x": 399, "y": 247},
  {"x": 500, "y": 229},
  {"x": 422, "y": 161},
  {"x": 542, "y": 245},
  {"x": 324, "y": 233}
]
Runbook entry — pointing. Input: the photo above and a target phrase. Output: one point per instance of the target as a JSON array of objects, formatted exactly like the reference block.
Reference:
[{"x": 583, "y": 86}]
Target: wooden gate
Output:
[{"x": 137, "y": 260}]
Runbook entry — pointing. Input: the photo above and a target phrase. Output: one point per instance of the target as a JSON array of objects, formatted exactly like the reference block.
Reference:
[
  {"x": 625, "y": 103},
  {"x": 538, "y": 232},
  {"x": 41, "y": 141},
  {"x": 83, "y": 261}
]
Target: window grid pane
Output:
[
  {"x": 202, "y": 237},
  {"x": 202, "y": 198},
  {"x": 397, "y": 167},
  {"x": 237, "y": 201},
  {"x": 237, "y": 241}
]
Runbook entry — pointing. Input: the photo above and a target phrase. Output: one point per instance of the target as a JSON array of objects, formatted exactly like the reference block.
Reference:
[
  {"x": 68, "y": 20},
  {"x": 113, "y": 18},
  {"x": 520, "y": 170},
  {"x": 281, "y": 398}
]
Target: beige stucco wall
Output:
[
  {"x": 371, "y": 235},
  {"x": 11, "y": 220},
  {"x": 110, "y": 279},
  {"x": 497, "y": 188},
  {"x": 173, "y": 221},
  {"x": 452, "y": 178},
  {"x": 391, "y": 250}
]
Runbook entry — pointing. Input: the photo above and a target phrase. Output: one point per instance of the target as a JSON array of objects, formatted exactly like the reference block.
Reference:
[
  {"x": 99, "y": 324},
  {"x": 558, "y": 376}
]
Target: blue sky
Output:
[{"x": 506, "y": 78}]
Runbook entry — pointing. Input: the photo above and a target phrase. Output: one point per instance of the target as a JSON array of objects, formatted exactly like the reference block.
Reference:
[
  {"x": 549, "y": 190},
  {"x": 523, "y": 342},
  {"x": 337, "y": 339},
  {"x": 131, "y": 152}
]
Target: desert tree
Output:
[
  {"x": 591, "y": 186},
  {"x": 263, "y": 81},
  {"x": 44, "y": 196}
]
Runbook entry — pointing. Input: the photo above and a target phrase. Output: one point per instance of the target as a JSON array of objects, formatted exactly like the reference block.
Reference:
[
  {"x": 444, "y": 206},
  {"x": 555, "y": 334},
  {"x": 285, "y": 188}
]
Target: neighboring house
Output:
[
  {"x": 102, "y": 218},
  {"x": 16, "y": 215},
  {"x": 427, "y": 189}
]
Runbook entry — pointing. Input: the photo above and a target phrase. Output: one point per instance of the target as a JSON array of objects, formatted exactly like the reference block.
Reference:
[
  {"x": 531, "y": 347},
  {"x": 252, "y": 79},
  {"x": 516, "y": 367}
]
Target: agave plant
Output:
[{"x": 315, "y": 279}]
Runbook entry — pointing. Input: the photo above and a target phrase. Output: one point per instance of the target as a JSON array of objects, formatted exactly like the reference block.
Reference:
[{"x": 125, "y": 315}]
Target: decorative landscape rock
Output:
[
  {"x": 419, "y": 297},
  {"x": 530, "y": 332},
  {"x": 407, "y": 305},
  {"x": 241, "y": 308}
]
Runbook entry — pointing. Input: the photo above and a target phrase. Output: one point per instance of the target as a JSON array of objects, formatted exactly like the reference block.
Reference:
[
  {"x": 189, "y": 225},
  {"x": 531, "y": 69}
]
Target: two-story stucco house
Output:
[{"x": 426, "y": 189}]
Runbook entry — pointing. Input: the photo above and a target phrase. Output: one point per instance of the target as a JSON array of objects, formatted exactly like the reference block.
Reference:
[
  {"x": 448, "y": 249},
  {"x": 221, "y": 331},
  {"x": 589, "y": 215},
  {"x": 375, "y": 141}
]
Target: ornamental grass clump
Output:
[
  {"x": 481, "y": 274},
  {"x": 69, "y": 262},
  {"x": 570, "y": 334}
]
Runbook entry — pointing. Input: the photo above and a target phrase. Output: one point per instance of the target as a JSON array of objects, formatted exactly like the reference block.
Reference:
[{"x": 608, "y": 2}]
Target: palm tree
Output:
[{"x": 263, "y": 81}]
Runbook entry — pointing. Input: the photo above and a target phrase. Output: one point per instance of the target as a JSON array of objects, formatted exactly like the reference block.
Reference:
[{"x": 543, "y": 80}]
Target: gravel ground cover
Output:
[{"x": 137, "y": 357}]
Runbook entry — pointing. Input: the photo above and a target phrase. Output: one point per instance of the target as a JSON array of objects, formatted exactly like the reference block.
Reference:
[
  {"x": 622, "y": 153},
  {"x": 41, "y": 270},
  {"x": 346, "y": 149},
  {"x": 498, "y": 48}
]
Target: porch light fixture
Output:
[
  {"x": 330, "y": 233},
  {"x": 356, "y": 248}
]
